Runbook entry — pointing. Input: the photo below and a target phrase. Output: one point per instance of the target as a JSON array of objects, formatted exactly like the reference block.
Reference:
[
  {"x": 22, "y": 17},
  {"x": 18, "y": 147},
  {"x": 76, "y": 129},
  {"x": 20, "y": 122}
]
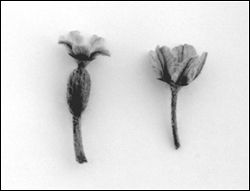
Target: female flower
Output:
[{"x": 83, "y": 51}]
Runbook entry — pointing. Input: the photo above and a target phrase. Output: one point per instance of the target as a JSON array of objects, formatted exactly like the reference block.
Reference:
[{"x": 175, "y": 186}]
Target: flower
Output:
[
  {"x": 83, "y": 49},
  {"x": 179, "y": 66}
]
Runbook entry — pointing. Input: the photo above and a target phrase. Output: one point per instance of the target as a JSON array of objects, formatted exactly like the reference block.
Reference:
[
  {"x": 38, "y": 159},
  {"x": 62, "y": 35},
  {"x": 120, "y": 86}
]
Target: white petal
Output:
[
  {"x": 99, "y": 51},
  {"x": 95, "y": 40},
  {"x": 97, "y": 43},
  {"x": 75, "y": 37}
]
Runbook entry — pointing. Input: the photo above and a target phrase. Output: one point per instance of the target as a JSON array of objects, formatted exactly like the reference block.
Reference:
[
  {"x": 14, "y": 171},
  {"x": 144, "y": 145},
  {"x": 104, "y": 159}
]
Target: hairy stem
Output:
[
  {"x": 79, "y": 153},
  {"x": 174, "y": 91}
]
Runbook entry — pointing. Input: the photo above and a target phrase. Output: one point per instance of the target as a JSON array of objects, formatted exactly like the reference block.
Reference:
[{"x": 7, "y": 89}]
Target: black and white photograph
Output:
[{"x": 124, "y": 95}]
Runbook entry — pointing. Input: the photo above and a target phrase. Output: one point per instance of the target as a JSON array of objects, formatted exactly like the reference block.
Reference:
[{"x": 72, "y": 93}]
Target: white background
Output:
[{"x": 126, "y": 127}]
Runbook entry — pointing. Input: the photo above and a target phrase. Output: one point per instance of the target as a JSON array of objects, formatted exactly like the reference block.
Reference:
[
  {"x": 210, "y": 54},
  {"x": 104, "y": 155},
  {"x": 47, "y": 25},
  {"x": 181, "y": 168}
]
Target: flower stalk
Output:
[
  {"x": 174, "y": 93},
  {"x": 177, "y": 67},
  {"x": 79, "y": 152}
]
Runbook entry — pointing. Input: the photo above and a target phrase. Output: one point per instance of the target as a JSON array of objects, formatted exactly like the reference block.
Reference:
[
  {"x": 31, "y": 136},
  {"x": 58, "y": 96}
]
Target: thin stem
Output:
[
  {"x": 174, "y": 91},
  {"x": 79, "y": 153}
]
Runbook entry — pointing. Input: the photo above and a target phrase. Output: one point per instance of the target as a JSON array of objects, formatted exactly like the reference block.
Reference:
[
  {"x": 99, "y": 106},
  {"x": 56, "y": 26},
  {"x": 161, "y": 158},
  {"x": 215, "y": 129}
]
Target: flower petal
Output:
[
  {"x": 177, "y": 52},
  {"x": 97, "y": 47},
  {"x": 167, "y": 56},
  {"x": 96, "y": 41},
  {"x": 160, "y": 56},
  {"x": 192, "y": 70},
  {"x": 99, "y": 51},
  {"x": 202, "y": 59},
  {"x": 168, "y": 60},
  {"x": 156, "y": 63},
  {"x": 178, "y": 68},
  {"x": 184, "y": 52},
  {"x": 71, "y": 40},
  {"x": 196, "y": 67},
  {"x": 184, "y": 79},
  {"x": 174, "y": 68},
  {"x": 189, "y": 51},
  {"x": 67, "y": 44},
  {"x": 75, "y": 37}
]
